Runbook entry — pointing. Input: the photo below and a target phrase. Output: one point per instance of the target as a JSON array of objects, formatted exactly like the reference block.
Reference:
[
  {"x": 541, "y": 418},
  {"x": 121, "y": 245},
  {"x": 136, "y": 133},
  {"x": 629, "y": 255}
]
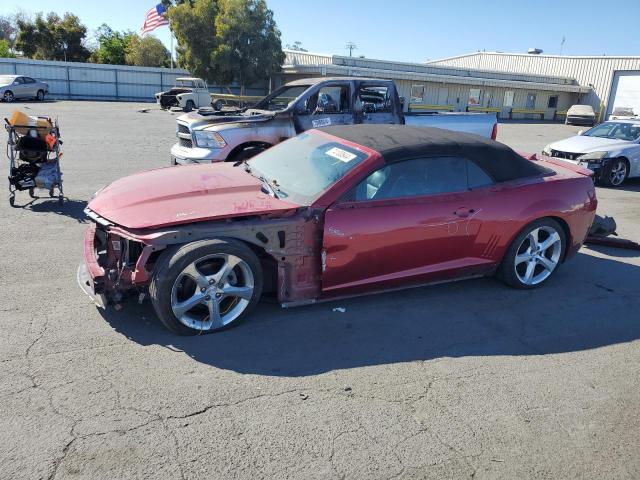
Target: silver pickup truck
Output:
[{"x": 209, "y": 136}]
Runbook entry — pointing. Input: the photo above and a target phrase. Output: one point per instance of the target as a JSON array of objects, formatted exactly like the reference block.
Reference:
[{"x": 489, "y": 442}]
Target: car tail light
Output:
[{"x": 494, "y": 132}]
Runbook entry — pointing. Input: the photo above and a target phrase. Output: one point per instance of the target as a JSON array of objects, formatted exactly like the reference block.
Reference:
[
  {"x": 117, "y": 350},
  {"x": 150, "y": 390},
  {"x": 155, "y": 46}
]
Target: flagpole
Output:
[{"x": 171, "y": 53}]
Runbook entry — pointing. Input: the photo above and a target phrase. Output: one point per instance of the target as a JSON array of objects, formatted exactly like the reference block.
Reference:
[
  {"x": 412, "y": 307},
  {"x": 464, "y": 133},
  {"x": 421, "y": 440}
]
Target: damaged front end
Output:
[
  {"x": 115, "y": 263},
  {"x": 169, "y": 99}
]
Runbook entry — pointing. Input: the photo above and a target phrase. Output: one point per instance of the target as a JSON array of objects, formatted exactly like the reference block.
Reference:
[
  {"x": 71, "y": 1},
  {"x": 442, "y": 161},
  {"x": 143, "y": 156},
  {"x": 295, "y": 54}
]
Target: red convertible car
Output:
[{"x": 333, "y": 212}]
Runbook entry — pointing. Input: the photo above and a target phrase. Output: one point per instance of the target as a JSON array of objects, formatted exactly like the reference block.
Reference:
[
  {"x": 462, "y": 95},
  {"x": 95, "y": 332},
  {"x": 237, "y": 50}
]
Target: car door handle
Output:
[{"x": 464, "y": 212}]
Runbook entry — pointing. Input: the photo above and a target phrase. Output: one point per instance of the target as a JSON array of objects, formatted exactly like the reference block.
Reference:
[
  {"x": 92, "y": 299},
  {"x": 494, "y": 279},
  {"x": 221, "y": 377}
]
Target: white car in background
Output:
[
  {"x": 580, "y": 115},
  {"x": 623, "y": 113},
  {"x": 611, "y": 150}
]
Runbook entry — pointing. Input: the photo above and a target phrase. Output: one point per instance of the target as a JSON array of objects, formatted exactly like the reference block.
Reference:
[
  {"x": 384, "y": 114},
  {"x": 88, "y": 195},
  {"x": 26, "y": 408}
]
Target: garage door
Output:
[{"x": 625, "y": 91}]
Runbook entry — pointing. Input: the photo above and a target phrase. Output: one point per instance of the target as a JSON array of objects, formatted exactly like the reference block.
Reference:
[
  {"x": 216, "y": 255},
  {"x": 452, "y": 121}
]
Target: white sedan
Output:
[{"x": 611, "y": 150}]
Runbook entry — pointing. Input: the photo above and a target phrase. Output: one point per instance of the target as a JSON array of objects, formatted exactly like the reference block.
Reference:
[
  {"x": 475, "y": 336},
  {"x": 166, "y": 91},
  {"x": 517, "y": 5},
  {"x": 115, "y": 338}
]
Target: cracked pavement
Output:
[{"x": 466, "y": 380}]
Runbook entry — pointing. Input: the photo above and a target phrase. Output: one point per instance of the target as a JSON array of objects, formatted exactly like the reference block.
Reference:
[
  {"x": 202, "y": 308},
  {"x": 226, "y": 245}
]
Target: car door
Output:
[
  {"x": 204, "y": 99},
  {"x": 18, "y": 88},
  {"x": 375, "y": 103},
  {"x": 409, "y": 222},
  {"x": 330, "y": 104},
  {"x": 30, "y": 87}
]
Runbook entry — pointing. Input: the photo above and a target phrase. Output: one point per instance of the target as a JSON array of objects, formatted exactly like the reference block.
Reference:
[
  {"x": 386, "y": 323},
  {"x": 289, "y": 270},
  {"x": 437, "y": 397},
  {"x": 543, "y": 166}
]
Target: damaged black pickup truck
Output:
[{"x": 208, "y": 136}]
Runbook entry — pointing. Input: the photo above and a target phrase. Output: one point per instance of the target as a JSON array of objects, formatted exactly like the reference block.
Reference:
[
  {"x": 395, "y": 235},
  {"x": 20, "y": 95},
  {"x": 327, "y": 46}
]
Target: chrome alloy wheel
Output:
[
  {"x": 8, "y": 97},
  {"x": 212, "y": 292},
  {"x": 538, "y": 255},
  {"x": 618, "y": 172}
]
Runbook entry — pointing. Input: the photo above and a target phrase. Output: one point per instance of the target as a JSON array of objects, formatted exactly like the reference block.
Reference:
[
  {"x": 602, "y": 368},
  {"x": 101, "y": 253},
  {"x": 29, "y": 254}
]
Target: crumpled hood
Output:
[
  {"x": 199, "y": 122},
  {"x": 585, "y": 144},
  {"x": 175, "y": 195}
]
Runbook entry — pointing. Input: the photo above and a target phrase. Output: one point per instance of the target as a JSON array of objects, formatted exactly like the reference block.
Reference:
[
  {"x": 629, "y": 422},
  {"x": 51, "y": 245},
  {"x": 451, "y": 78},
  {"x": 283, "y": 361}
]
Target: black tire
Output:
[
  {"x": 190, "y": 106},
  {"x": 12, "y": 200},
  {"x": 507, "y": 270},
  {"x": 175, "y": 260},
  {"x": 218, "y": 105},
  {"x": 40, "y": 95},
  {"x": 245, "y": 154},
  {"x": 610, "y": 176},
  {"x": 32, "y": 193},
  {"x": 8, "y": 96}
]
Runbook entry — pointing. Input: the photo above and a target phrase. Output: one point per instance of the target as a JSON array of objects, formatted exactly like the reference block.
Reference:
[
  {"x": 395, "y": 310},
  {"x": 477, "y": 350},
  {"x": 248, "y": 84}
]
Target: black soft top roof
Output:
[{"x": 401, "y": 142}]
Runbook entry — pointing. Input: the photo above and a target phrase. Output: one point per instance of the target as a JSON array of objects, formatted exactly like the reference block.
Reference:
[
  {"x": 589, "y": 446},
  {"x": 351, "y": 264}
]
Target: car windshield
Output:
[
  {"x": 6, "y": 79},
  {"x": 281, "y": 98},
  {"x": 304, "y": 167},
  {"x": 615, "y": 131}
]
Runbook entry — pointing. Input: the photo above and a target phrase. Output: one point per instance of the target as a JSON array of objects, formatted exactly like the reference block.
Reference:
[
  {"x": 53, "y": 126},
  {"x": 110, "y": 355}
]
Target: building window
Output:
[
  {"x": 531, "y": 101},
  {"x": 474, "y": 96},
  {"x": 553, "y": 101},
  {"x": 508, "y": 98},
  {"x": 417, "y": 93}
]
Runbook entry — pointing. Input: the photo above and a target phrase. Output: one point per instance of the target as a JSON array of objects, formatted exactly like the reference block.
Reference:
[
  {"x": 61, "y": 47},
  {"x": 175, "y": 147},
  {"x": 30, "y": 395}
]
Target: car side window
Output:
[
  {"x": 19, "y": 80},
  {"x": 28, "y": 80},
  {"x": 375, "y": 98},
  {"x": 331, "y": 99},
  {"x": 476, "y": 176},
  {"x": 416, "y": 177}
]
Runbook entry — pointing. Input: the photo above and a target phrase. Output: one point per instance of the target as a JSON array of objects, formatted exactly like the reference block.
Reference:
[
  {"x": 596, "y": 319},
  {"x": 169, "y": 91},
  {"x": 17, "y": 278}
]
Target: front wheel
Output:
[
  {"x": 40, "y": 95},
  {"x": 8, "y": 97},
  {"x": 534, "y": 255},
  {"x": 615, "y": 173},
  {"x": 206, "y": 286},
  {"x": 190, "y": 106}
]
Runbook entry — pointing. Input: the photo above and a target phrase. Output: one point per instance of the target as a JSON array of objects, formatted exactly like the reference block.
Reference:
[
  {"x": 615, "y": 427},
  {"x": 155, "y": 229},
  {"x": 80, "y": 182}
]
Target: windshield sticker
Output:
[
  {"x": 340, "y": 154},
  {"x": 321, "y": 122}
]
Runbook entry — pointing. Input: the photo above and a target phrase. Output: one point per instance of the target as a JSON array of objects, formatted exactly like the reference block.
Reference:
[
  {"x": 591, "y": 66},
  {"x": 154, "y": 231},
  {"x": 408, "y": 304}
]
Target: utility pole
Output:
[
  {"x": 562, "y": 45},
  {"x": 351, "y": 47}
]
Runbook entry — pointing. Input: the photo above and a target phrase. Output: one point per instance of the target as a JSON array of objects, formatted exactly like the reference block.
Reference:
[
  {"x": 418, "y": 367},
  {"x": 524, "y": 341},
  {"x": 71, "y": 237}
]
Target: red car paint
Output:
[
  {"x": 333, "y": 247},
  {"x": 173, "y": 196}
]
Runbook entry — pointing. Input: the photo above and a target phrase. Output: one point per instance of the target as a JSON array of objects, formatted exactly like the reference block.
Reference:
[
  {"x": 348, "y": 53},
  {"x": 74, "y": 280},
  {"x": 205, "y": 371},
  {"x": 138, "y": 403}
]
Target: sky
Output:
[{"x": 410, "y": 30}]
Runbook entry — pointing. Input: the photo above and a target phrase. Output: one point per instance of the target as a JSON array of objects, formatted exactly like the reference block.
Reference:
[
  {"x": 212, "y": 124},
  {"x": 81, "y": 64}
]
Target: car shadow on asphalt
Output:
[
  {"x": 588, "y": 304},
  {"x": 70, "y": 208}
]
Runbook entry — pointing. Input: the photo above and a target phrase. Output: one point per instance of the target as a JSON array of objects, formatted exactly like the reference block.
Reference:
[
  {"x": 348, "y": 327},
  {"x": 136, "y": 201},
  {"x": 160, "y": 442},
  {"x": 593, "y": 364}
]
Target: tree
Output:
[
  {"x": 8, "y": 29},
  {"x": 5, "y": 51},
  {"x": 147, "y": 52},
  {"x": 194, "y": 29},
  {"x": 249, "y": 47},
  {"x": 297, "y": 46},
  {"x": 52, "y": 37},
  {"x": 112, "y": 46}
]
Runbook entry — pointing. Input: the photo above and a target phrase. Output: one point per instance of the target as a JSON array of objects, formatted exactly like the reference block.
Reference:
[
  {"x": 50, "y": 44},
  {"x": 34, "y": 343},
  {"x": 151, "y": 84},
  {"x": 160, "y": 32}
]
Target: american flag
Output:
[{"x": 156, "y": 17}]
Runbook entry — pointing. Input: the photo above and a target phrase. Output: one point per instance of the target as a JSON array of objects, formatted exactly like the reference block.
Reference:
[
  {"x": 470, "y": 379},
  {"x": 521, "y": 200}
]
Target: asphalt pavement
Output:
[{"x": 465, "y": 380}]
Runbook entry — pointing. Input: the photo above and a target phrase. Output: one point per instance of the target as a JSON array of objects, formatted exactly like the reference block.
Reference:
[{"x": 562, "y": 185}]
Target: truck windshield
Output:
[
  {"x": 184, "y": 83},
  {"x": 281, "y": 98},
  {"x": 304, "y": 167},
  {"x": 615, "y": 130}
]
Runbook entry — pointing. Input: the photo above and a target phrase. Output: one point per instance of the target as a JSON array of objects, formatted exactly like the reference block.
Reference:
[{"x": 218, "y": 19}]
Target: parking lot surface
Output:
[{"x": 465, "y": 380}]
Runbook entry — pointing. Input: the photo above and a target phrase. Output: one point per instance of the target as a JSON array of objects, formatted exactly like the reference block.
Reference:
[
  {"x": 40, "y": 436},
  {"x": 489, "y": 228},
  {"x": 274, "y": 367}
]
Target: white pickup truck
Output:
[
  {"x": 188, "y": 94},
  {"x": 212, "y": 136}
]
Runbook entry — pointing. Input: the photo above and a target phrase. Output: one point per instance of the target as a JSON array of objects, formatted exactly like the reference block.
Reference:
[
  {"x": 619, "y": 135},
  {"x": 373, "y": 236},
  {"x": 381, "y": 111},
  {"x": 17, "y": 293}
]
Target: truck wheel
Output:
[
  {"x": 218, "y": 105},
  {"x": 245, "y": 154},
  {"x": 206, "y": 286},
  {"x": 190, "y": 106}
]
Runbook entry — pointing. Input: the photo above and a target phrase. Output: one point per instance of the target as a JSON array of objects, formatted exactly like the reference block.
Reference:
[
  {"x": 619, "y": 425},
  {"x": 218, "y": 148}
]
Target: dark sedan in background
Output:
[{"x": 15, "y": 87}]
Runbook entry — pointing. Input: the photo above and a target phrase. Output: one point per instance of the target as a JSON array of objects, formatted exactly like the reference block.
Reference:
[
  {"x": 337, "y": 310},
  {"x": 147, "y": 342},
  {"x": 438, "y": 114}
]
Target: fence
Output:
[{"x": 91, "y": 81}]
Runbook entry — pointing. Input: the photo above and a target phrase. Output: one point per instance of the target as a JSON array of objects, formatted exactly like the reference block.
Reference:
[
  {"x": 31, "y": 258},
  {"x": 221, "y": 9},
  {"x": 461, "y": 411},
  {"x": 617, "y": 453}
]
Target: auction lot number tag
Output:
[{"x": 340, "y": 154}]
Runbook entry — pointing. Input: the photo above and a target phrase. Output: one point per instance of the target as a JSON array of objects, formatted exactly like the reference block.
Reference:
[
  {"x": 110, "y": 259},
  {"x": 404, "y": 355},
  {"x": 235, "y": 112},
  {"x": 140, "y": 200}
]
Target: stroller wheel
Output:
[
  {"x": 12, "y": 200},
  {"x": 51, "y": 194},
  {"x": 32, "y": 193},
  {"x": 60, "y": 200}
]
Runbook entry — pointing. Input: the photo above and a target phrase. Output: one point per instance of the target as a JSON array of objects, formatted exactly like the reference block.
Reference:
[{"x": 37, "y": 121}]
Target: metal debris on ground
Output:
[{"x": 600, "y": 231}]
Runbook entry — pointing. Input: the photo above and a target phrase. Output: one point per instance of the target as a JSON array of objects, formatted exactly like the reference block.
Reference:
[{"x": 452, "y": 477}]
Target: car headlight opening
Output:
[
  {"x": 209, "y": 139},
  {"x": 593, "y": 157}
]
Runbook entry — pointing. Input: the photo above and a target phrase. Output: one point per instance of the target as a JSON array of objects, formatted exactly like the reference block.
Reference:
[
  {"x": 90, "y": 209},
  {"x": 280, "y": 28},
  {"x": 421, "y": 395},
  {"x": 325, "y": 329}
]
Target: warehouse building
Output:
[
  {"x": 513, "y": 86},
  {"x": 613, "y": 81}
]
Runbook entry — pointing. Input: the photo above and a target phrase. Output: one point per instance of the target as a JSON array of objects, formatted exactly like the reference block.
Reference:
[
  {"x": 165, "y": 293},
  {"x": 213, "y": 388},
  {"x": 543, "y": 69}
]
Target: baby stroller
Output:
[{"x": 34, "y": 155}]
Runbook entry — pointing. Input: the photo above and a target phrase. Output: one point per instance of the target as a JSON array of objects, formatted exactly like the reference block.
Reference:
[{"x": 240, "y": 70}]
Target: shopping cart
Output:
[{"x": 33, "y": 150}]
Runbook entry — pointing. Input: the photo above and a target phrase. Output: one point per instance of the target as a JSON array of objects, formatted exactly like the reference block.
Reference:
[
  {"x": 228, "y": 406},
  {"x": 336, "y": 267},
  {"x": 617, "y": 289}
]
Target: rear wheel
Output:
[
  {"x": 218, "y": 105},
  {"x": 534, "y": 255},
  {"x": 615, "y": 173},
  {"x": 8, "y": 97},
  {"x": 206, "y": 286},
  {"x": 40, "y": 95}
]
